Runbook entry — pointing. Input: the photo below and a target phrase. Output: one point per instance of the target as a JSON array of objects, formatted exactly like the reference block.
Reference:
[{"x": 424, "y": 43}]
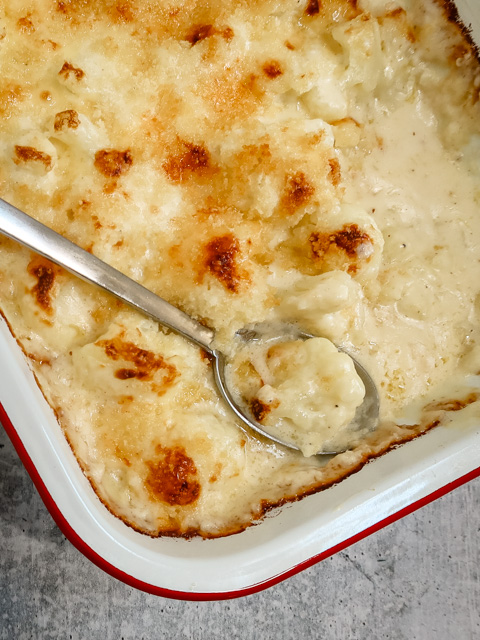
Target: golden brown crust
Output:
[
  {"x": 25, "y": 25},
  {"x": 209, "y": 212},
  {"x": 272, "y": 69},
  {"x": 193, "y": 160},
  {"x": 221, "y": 260},
  {"x": 45, "y": 272},
  {"x": 24, "y": 154},
  {"x": 112, "y": 163},
  {"x": 145, "y": 363},
  {"x": 335, "y": 174},
  {"x": 68, "y": 118},
  {"x": 312, "y": 8},
  {"x": 339, "y": 248},
  {"x": 199, "y": 32},
  {"x": 172, "y": 477},
  {"x": 297, "y": 192},
  {"x": 69, "y": 70}
]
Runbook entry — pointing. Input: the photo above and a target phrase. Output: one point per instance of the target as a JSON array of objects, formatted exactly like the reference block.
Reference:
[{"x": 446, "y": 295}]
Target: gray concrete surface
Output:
[{"x": 416, "y": 580}]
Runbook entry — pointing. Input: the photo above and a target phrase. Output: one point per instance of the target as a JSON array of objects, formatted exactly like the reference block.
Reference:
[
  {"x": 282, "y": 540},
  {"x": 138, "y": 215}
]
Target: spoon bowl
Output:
[
  {"x": 24, "y": 229},
  {"x": 367, "y": 412}
]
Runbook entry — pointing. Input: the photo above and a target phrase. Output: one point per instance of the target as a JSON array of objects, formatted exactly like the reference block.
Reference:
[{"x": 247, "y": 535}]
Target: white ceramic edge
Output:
[{"x": 296, "y": 533}]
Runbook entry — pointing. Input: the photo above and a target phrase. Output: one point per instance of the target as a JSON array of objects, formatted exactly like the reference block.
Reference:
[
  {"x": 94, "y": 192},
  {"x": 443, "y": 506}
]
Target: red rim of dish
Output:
[{"x": 131, "y": 581}]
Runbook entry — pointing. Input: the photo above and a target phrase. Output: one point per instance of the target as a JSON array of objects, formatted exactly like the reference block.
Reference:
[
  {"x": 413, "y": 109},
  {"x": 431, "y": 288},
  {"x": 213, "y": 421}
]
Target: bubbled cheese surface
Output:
[{"x": 309, "y": 162}]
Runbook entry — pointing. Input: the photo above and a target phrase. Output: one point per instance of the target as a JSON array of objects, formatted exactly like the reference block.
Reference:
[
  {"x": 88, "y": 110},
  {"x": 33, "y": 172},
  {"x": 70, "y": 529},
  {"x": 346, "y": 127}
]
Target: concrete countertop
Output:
[{"x": 417, "y": 579}]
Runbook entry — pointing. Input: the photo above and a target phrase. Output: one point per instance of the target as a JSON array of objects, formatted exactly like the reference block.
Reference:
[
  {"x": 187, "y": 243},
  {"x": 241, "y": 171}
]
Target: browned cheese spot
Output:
[
  {"x": 173, "y": 478},
  {"x": 194, "y": 160},
  {"x": 272, "y": 69},
  {"x": 46, "y": 95},
  {"x": 335, "y": 174},
  {"x": 207, "y": 357},
  {"x": 45, "y": 272},
  {"x": 313, "y": 7},
  {"x": 260, "y": 409},
  {"x": 112, "y": 163},
  {"x": 68, "y": 118},
  {"x": 453, "y": 405},
  {"x": 30, "y": 154},
  {"x": 79, "y": 11},
  {"x": 220, "y": 259},
  {"x": 289, "y": 45},
  {"x": 347, "y": 240},
  {"x": 68, "y": 69},
  {"x": 127, "y": 374},
  {"x": 199, "y": 32},
  {"x": 25, "y": 25},
  {"x": 297, "y": 192},
  {"x": 145, "y": 363},
  {"x": 123, "y": 12},
  {"x": 227, "y": 34},
  {"x": 62, "y": 7}
]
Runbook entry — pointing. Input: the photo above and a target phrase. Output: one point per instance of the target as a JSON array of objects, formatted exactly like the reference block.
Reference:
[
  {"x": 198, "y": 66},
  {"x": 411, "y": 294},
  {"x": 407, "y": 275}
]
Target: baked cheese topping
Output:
[{"x": 306, "y": 162}]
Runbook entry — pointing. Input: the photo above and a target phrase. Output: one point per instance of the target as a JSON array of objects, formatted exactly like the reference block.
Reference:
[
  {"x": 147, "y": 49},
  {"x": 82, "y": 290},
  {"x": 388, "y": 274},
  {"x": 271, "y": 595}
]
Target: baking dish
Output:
[{"x": 293, "y": 538}]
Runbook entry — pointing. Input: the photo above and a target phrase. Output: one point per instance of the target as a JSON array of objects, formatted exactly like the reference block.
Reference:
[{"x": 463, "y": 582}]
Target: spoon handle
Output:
[{"x": 36, "y": 236}]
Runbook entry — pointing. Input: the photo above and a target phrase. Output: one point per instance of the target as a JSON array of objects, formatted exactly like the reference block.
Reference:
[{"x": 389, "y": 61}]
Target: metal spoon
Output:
[{"x": 27, "y": 231}]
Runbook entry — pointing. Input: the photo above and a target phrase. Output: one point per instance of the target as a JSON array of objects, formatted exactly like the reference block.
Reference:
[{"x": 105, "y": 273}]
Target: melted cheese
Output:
[{"x": 308, "y": 162}]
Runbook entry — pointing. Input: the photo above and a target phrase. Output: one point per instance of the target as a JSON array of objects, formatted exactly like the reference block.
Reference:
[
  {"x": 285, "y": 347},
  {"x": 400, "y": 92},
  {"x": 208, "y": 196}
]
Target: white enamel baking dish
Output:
[{"x": 289, "y": 540}]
